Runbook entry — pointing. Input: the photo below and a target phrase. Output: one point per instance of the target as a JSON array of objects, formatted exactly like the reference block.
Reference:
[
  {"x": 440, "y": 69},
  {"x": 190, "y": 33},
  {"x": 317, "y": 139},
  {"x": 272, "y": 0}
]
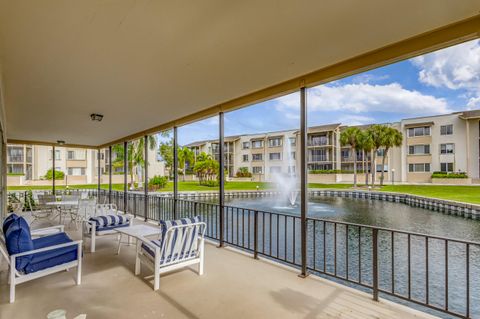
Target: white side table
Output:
[{"x": 136, "y": 231}]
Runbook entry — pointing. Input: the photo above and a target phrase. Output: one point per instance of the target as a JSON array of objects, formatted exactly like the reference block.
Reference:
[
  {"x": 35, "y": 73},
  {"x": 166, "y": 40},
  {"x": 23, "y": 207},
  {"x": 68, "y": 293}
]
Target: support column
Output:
[
  {"x": 110, "y": 174},
  {"x": 53, "y": 169},
  {"x": 99, "y": 172},
  {"x": 145, "y": 176},
  {"x": 221, "y": 194},
  {"x": 303, "y": 178},
  {"x": 125, "y": 174},
  {"x": 175, "y": 172}
]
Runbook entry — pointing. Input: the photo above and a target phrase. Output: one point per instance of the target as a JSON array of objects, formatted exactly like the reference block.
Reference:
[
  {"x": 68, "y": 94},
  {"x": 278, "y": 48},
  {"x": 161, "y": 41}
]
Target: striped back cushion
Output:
[
  {"x": 109, "y": 220},
  {"x": 187, "y": 246}
]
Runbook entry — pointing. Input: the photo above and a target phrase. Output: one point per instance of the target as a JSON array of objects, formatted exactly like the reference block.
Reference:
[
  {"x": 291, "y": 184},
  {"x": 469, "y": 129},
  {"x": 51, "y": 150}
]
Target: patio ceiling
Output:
[{"x": 145, "y": 63}]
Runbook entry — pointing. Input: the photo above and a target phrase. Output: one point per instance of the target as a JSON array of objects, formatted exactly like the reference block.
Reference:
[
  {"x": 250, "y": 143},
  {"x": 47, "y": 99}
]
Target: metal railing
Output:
[{"x": 432, "y": 271}]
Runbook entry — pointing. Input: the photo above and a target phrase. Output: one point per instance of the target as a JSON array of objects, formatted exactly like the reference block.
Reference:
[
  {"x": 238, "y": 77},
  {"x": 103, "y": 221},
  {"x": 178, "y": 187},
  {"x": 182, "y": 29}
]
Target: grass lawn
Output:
[{"x": 467, "y": 194}]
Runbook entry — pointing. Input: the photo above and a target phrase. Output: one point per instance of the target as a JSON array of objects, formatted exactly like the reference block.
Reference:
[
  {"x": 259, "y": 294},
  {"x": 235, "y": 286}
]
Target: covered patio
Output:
[
  {"x": 98, "y": 74},
  {"x": 234, "y": 285}
]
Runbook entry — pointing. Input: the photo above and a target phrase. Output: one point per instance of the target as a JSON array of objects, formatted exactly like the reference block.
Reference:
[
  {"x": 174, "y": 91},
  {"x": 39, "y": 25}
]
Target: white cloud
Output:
[
  {"x": 368, "y": 78},
  {"x": 365, "y": 98},
  {"x": 456, "y": 67},
  {"x": 473, "y": 102},
  {"x": 356, "y": 120}
]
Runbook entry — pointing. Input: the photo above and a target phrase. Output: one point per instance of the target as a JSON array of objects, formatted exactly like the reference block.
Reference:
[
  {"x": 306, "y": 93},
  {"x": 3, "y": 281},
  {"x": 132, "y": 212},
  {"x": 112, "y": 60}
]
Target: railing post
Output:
[
  {"x": 145, "y": 179},
  {"x": 255, "y": 235},
  {"x": 221, "y": 199},
  {"x": 375, "y": 262},
  {"x": 134, "y": 205},
  {"x": 99, "y": 172},
  {"x": 303, "y": 179}
]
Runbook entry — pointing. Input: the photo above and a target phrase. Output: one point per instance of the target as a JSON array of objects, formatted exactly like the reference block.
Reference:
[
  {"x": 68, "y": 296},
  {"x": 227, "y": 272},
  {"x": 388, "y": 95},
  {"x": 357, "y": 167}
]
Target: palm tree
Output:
[
  {"x": 185, "y": 155},
  {"x": 391, "y": 138},
  {"x": 377, "y": 134},
  {"x": 135, "y": 156},
  {"x": 365, "y": 144},
  {"x": 350, "y": 137}
]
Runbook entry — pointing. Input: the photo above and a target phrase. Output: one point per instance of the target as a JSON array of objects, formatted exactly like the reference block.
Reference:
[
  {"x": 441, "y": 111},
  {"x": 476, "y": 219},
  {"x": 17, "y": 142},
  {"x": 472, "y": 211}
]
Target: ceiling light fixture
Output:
[
  {"x": 59, "y": 142},
  {"x": 96, "y": 117}
]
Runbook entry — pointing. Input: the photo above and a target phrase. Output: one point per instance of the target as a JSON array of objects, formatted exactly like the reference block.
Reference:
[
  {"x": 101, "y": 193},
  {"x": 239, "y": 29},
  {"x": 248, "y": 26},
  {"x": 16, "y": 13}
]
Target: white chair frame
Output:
[
  {"x": 195, "y": 255},
  {"x": 89, "y": 228},
  {"x": 16, "y": 277}
]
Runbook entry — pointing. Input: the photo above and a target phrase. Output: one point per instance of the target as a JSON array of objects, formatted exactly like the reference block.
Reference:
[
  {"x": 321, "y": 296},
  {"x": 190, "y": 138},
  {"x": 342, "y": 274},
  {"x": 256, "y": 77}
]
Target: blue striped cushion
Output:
[
  {"x": 109, "y": 220},
  {"x": 167, "y": 224}
]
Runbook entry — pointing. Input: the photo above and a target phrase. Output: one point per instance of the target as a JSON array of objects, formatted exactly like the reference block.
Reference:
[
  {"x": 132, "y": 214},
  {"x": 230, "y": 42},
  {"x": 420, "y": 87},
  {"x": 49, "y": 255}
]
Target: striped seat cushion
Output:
[
  {"x": 175, "y": 252},
  {"x": 109, "y": 221}
]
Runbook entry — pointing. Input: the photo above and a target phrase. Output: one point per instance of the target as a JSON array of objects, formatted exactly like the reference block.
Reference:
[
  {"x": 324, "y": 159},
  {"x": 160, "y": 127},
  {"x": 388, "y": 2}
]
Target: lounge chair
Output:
[
  {"x": 107, "y": 218},
  {"x": 29, "y": 259},
  {"x": 180, "y": 244}
]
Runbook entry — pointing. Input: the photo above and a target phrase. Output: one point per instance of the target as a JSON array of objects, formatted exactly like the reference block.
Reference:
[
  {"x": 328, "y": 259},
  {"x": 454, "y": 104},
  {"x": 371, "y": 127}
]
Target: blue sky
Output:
[{"x": 444, "y": 81}]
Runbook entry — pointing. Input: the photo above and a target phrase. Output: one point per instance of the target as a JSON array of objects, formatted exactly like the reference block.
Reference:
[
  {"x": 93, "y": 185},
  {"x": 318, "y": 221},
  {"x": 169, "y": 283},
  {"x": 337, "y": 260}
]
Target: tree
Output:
[
  {"x": 58, "y": 175},
  {"x": 350, "y": 137},
  {"x": 206, "y": 169},
  {"x": 135, "y": 155},
  {"x": 391, "y": 138},
  {"x": 365, "y": 144},
  {"x": 377, "y": 135},
  {"x": 166, "y": 152},
  {"x": 185, "y": 155}
]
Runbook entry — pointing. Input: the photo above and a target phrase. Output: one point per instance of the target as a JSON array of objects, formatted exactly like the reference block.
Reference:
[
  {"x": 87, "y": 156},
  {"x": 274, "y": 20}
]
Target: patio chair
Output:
[
  {"x": 181, "y": 244},
  {"x": 29, "y": 258},
  {"x": 107, "y": 218}
]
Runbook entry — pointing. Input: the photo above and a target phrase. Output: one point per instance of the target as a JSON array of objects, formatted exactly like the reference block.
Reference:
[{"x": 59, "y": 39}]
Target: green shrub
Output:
[
  {"x": 449, "y": 175},
  {"x": 243, "y": 172},
  {"x": 58, "y": 175},
  {"x": 15, "y": 174},
  {"x": 157, "y": 182}
]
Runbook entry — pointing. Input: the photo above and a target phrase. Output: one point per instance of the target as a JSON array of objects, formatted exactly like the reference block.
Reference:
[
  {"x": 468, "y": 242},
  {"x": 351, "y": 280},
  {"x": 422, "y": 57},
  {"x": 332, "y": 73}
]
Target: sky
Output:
[{"x": 440, "y": 82}]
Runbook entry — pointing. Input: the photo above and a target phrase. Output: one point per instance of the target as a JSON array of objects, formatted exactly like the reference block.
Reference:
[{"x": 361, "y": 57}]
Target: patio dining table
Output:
[{"x": 62, "y": 206}]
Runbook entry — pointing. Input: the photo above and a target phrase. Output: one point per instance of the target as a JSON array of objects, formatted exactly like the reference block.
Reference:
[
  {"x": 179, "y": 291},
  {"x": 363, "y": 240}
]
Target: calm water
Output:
[
  {"x": 375, "y": 213},
  {"x": 282, "y": 237}
]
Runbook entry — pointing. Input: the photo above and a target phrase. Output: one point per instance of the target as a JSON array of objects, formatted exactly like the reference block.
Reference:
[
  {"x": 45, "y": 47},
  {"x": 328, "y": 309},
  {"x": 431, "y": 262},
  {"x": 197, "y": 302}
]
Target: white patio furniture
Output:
[
  {"x": 29, "y": 259},
  {"x": 181, "y": 244},
  {"x": 136, "y": 231},
  {"x": 105, "y": 222},
  {"x": 63, "y": 207}
]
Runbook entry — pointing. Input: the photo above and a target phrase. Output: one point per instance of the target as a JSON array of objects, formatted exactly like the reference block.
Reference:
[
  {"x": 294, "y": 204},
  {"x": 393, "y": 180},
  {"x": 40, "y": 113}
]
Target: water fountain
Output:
[{"x": 286, "y": 184}]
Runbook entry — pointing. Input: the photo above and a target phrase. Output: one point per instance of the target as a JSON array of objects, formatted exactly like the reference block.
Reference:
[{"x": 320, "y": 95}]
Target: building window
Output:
[
  {"x": 419, "y": 131},
  {"x": 76, "y": 171},
  {"x": 257, "y": 157},
  {"x": 245, "y": 158},
  {"x": 274, "y": 156},
  {"x": 345, "y": 154},
  {"x": 419, "y": 149},
  {"x": 318, "y": 155},
  {"x": 275, "y": 142},
  {"x": 257, "y": 170},
  {"x": 379, "y": 168},
  {"x": 77, "y": 155},
  {"x": 246, "y": 145},
  {"x": 292, "y": 155},
  {"x": 257, "y": 144},
  {"x": 381, "y": 152},
  {"x": 15, "y": 169},
  {"x": 275, "y": 169},
  {"x": 15, "y": 154},
  {"x": 419, "y": 167},
  {"x": 446, "y": 129},
  {"x": 57, "y": 155},
  {"x": 447, "y": 148},
  {"x": 292, "y": 140},
  {"x": 446, "y": 167},
  {"x": 318, "y": 140}
]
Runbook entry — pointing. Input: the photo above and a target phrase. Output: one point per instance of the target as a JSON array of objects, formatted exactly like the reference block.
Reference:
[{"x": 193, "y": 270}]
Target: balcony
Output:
[{"x": 234, "y": 285}]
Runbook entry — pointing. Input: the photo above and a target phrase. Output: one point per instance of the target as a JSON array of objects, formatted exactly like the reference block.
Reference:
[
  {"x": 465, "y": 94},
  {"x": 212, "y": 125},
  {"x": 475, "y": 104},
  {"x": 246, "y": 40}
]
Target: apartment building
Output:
[
  {"x": 28, "y": 164},
  {"x": 447, "y": 143}
]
